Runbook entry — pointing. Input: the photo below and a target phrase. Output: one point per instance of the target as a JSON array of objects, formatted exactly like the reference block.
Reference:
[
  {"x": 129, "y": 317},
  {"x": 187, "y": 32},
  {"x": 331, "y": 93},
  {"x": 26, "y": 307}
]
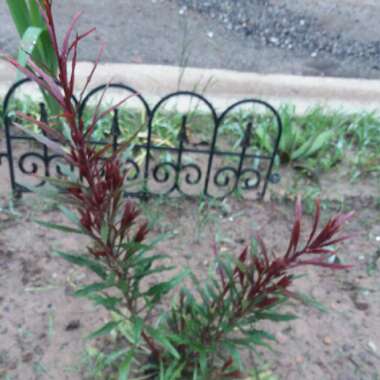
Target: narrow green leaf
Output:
[
  {"x": 113, "y": 356},
  {"x": 110, "y": 303},
  {"x": 46, "y": 191},
  {"x": 104, "y": 330},
  {"x": 311, "y": 146},
  {"x": 85, "y": 262},
  {"x": 163, "y": 340},
  {"x": 261, "y": 334},
  {"x": 70, "y": 215},
  {"x": 203, "y": 362},
  {"x": 309, "y": 301},
  {"x": 276, "y": 317},
  {"x": 93, "y": 288},
  {"x": 62, "y": 183},
  {"x": 104, "y": 232},
  {"x": 59, "y": 227},
  {"x": 135, "y": 247},
  {"x": 138, "y": 325},
  {"x": 159, "y": 290},
  {"x": 125, "y": 367}
]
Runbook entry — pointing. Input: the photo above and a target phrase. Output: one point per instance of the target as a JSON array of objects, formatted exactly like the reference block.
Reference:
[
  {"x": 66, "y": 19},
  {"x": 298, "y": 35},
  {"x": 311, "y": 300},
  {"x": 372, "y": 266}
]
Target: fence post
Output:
[
  {"x": 16, "y": 193},
  {"x": 115, "y": 130}
]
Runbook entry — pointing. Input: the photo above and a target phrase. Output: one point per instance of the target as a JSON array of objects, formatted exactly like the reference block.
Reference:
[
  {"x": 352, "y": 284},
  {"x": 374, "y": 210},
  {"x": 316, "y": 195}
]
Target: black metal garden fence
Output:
[{"x": 215, "y": 165}]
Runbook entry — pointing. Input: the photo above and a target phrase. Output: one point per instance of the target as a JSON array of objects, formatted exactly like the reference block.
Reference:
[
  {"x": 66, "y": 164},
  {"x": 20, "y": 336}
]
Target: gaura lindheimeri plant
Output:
[{"x": 202, "y": 331}]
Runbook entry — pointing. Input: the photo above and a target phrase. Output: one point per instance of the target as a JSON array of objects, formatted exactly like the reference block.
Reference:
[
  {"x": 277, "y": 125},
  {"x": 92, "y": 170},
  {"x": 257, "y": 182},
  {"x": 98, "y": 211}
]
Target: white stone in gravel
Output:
[
  {"x": 274, "y": 40},
  {"x": 372, "y": 346}
]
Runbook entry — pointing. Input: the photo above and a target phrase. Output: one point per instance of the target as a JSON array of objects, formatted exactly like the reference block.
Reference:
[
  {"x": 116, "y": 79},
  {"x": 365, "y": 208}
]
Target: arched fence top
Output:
[
  {"x": 192, "y": 158},
  {"x": 110, "y": 86}
]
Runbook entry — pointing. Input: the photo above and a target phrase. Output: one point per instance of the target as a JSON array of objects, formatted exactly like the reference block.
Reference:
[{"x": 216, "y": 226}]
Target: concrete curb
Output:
[{"x": 223, "y": 87}]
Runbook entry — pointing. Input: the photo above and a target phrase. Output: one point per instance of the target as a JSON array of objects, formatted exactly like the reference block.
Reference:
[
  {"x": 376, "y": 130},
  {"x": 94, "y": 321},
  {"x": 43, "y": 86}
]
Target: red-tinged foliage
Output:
[
  {"x": 265, "y": 279},
  {"x": 130, "y": 214},
  {"x": 267, "y": 302},
  {"x": 141, "y": 233},
  {"x": 103, "y": 179}
]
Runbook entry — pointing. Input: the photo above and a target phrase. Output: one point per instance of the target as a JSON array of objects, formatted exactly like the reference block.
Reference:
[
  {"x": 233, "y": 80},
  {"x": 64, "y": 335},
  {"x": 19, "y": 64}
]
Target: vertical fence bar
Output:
[
  {"x": 147, "y": 156},
  {"x": 44, "y": 118},
  {"x": 245, "y": 143},
  {"x": 16, "y": 193},
  {"x": 182, "y": 137},
  {"x": 115, "y": 130},
  {"x": 275, "y": 151},
  {"x": 212, "y": 152}
]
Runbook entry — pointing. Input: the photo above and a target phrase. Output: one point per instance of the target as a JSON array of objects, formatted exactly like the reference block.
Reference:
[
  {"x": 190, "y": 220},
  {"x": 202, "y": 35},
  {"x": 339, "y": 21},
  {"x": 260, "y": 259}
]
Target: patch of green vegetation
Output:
[{"x": 315, "y": 142}]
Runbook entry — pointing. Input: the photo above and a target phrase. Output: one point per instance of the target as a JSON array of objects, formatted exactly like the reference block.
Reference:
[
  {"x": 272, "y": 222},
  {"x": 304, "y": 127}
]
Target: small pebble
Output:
[
  {"x": 372, "y": 346},
  {"x": 300, "y": 359},
  {"x": 73, "y": 325},
  {"x": 360, "y": 305},
  {"x": 281, "y": 338},
  {"x": 274, "y": 40},
  {"x": 327, "y": 340},
  {"x": 346, "y": 347},
  {"x": 26, "y": 358}
]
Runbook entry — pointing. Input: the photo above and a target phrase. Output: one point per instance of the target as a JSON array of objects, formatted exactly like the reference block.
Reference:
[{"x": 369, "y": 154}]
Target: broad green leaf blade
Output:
[
  {"x": 35, "y": 14},
  {"x": 19, "y": 12},
  {"x": 28, "y": 43}
]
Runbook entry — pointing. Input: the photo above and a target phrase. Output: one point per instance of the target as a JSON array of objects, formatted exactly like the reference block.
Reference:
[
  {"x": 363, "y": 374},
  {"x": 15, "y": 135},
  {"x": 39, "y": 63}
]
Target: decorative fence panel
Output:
[{"x": 182, "y": 145}]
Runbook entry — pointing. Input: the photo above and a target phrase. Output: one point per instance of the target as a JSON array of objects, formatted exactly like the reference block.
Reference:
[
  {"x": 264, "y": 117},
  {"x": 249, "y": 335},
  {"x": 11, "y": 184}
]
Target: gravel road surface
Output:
[{"x": 303, "y": 37}]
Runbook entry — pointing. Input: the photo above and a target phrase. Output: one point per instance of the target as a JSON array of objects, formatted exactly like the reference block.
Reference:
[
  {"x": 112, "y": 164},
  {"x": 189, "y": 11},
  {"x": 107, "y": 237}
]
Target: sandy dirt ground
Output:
[{"x": 43, "y": 328}]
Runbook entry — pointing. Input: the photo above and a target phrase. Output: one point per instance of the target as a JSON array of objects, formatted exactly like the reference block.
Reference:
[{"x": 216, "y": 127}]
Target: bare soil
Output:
[
  {"x": 305, "y": 37},
  {"x": 43, "y": 328}
]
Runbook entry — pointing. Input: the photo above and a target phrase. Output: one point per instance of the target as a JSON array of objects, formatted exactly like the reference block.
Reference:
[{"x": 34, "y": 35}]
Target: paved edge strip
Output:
[{"x": 223, "y": 87}]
